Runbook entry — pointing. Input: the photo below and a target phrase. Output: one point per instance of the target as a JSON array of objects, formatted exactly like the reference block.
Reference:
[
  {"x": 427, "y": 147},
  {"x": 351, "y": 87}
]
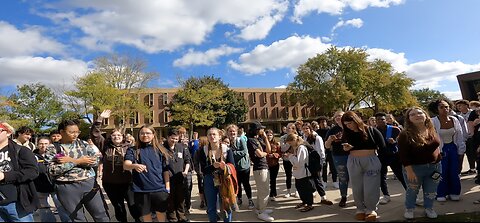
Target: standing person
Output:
[
  {"x": 242, "y": 164},
  {"x": 17, "y": 172},
  {"x": 45, "y": 186},
  {"x": 317, "y": 142},
  {"x": 179, "y": 162},
  {"x": 287, "y": 165},
  {"x": 299, "y": 159},
  {"x": 284, "y": 131},
  {"x": 298, "y": 126},
  {"x": 420, "y": 155},
  {"x": 23, "y": 137},
  {"x": 55, "y": 136},
  {"x": 150, "y": 174},
  {"x": 471, "y": 152},
  {"x": 473, "y": 124},
  {"x": 364, "y": 167},
  {"x": 258, "y": 148},
  {"x": 213, "y": 159},
  {"x": 389, "y": 156},
  {"x": 273, "y": 164},
  {"x": 392, "y": 121},
  {"x": 372, "y": 121},
  {"x": 452, "y": 145},
  {"x": 71, "y": 164},
  {"x": 322, "y": 131},
  {"x": 340, "y": 156},
  {"x": 116, "y": 181},
  {"x": 187, "y": 180},
  {"x": 202, "y": 142}
]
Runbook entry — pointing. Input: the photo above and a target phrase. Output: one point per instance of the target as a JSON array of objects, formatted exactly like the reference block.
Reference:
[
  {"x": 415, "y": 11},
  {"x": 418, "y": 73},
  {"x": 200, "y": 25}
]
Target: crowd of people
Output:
[{"x": 153, "y": 176}]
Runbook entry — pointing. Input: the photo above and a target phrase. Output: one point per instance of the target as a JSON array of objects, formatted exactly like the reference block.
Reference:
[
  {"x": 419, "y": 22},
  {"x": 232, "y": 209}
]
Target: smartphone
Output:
[{"x": 436, "y": 175}]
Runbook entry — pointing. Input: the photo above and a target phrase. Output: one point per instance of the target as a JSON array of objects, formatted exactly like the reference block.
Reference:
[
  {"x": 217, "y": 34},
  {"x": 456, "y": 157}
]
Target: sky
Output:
[{"x": 247, "y": 43}]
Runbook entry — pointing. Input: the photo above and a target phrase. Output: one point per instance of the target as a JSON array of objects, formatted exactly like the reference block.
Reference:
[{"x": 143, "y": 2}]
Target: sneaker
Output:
[
  {"x": 273, "y": 199},
  {"x": 326, "y": 202},
  {"x": 287, "y": 195},
  {"x": 265, "y": 217},
  {"x": 408, "y": 214},
  {"x": 469, "y": 172},
  {"x": 343, "y": 202},
  {"x": 296, "y": 194},
  {"x": 251, "y": 205},
  {"x": 335, "y": 184},
  {"x": 372, "y": 217},
  {"x": 454, "y": 197},
  {"x": 430, "y": 213},
  {"x": 419, "y": 201},
  {"x": 239, "y": 201},
  {"x": 441, "y": 199},
  {"x": 266, "y": 211},
  {"x": 385, "y": 199}
]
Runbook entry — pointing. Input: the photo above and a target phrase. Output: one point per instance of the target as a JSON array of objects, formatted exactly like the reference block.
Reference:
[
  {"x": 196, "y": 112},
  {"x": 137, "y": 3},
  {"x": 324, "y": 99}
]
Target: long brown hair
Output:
[
  {"x": 294, "y": 137},
  {"x": 155, "y": 143},
  {"x": 412, "y": 133},
  {"x": 350, "y": 116}
]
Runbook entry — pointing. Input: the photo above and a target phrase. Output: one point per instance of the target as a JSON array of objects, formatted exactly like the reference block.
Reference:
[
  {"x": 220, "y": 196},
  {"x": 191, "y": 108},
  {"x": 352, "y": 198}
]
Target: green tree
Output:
[
  {"x": 344, "y": 79},
  {"x": 206, "y": 101},
  {"x": 426, "y": 95},
  {"x": 37, "y": 104}
]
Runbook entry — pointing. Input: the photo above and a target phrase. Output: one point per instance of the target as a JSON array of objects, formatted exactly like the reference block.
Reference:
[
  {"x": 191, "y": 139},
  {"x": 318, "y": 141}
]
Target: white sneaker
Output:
[
  {"x": 266, "y": 211},
  {"x": 430, "y": 213},
  {"x": 408, "y": 214},
  {"x": 419, "y": 201},
  {"x": 454, "y": 197},
  {"x": 441, "y": 199},
  {"x": 335, "y": 184},
  {"x": 273, "y": 199},
  {"x": 265, "y": 217},
  {"x": 287, "y": 195},
  {"x": 385, "y": 199},
  {"x": 296, "y": 194}
]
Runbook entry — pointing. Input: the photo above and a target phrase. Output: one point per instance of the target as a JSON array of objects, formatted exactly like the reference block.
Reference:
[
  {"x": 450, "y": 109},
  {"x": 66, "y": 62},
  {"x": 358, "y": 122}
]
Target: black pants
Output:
[
  {"x": 118, "y": 194},
  {"x": 176, "y": 199},
  {"x": 187, "y": 182},
  {"x": 287, "y": 166},
  {"x": 471, "y": 153},
  {"x": 243, "y": 177},
  {"x": 273, "y": 179},
  {"x": 305, "y": 189},
  {"x": 317, "y": 183},
  {"x": 329, "y": 162},
  {"x": 393, "y": 161}
]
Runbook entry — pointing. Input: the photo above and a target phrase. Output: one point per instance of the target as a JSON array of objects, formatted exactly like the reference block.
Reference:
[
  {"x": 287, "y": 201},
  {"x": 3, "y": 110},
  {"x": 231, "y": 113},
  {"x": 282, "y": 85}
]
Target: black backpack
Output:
[
  {"x": 313, "y": 163},
  {"x": 44, "y": 182}
]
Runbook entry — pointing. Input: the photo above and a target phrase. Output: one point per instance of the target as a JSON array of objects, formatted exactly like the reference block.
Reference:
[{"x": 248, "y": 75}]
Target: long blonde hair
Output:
[
  {"x": 412, "y": 133},
  {"x": 155, "y": 143},
  {"x": 294, "y": 137}
]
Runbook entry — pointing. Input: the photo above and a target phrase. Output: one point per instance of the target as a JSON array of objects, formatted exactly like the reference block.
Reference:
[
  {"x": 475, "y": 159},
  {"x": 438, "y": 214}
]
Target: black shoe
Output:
[
  {"x": 477, "y": 181},
  {"x": 343, "y": 202},
  {"x": 202, "y": 204},
  {"x": 239, "y": 201}
]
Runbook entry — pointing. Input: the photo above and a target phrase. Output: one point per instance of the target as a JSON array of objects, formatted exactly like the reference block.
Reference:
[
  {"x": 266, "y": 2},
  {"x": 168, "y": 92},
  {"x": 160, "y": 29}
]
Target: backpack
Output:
[
  {"x": 313, "y": 163},
  {"x": 44, "y": 182}
]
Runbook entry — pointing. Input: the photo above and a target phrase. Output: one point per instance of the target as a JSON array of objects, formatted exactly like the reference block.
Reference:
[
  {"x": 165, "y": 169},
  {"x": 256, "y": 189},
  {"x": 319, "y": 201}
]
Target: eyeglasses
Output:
[{"x": 74, "y": 133}]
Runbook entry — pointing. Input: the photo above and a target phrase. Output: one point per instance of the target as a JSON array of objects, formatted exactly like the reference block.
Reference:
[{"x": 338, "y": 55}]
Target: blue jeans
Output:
[
  {"x": 424, "y": 179},
  {"x": 342, "y": 173},
  {"x": 450, "y": 183},
  {"x": 10, "y": 213},
  {"x": 212, "y": 195}
]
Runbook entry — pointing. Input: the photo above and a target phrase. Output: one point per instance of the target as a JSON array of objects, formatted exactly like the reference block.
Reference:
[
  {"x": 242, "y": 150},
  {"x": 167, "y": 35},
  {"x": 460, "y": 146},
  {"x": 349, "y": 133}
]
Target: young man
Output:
[
  {"x": 471, "y": 152},
  {"x": 71, "y": 164},
  {"x": 18, "y": 169},
  {"x": 23, "y": 136}
]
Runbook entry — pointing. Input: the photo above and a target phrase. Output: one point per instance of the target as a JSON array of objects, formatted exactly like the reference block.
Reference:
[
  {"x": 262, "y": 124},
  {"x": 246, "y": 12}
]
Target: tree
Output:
[
  {"x": 425, "y": 95},
  {"x": 37, "y": 104},
  {"x": 206, "y": 101},
  {"x": 344, "y": 79}
]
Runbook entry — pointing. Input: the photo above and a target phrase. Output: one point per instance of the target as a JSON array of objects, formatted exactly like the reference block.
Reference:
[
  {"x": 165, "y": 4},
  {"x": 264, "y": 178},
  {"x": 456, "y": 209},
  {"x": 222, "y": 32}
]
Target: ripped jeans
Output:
[
  {"x": 342, "y": 173},
  {"x": 424, "y": 179}
]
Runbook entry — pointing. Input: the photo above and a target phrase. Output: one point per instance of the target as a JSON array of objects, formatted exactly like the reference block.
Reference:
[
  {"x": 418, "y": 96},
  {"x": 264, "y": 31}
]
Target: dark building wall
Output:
[{"x": 469, "y": 85}]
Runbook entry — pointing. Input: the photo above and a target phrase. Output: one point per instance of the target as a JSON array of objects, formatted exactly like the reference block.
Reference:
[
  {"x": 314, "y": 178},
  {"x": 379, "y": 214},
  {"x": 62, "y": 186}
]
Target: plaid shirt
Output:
[{"x": 68, "y": 172}]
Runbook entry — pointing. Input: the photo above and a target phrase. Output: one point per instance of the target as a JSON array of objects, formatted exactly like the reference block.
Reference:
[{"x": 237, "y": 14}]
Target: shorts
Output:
[{"x": 151, "y": 202}]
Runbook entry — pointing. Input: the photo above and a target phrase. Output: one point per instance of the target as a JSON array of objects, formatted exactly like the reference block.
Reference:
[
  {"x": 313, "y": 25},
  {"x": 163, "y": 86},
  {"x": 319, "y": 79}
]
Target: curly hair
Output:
[{"x": 411, "y": 132}]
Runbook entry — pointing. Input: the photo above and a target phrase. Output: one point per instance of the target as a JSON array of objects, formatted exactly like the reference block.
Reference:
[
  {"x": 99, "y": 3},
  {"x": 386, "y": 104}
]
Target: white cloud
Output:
[
  {"x": 30, "y": 41},
  {"x": 336, "y": 7},
  {"x": 357, "y": 23},
  {"x": 210, "y": 57},
  {"x": 48, "y": 71},
  {"x": 287, "y": 53},
  {"x": 281, "y": 86},
  {"x": 398, "y": 60},
  {"x": 453, "y": 95},
  {"x": 166, "y": 25}
]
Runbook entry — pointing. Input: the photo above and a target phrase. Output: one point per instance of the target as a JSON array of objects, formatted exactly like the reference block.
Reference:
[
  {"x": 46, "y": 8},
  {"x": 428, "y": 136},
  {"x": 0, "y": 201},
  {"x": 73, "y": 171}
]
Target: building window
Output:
[
  {"x": 134, "y": 118},
  {"x": 265, "y": 111},
  {"x": 274, "y": 98},
  {"x": 106, "y": 121},
  {"x": 150, "y": 100},
  {"x": 283, "y": 99},
  {"x": 264, "y": 97},
  {"x": 165, "y": 117},
  {"x": 150, "y": 119},
  {"x": 254, "y": 97},
  {"x": 165, "y": 98},
  {"x": 255, "y": 113},
  {"x": 277, "y": 112},
  {"x": 295, "y": 112},
  {"x": 287, "y": 113}
]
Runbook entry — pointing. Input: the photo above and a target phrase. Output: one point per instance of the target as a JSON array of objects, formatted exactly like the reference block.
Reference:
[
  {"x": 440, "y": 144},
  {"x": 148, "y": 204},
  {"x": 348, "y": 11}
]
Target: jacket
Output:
[{"x": 458, "y": 138}]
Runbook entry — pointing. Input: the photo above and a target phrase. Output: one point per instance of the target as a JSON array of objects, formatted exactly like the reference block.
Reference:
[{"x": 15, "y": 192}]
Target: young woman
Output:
[
  {"x": 287, "y": 165},
  {"x": 115, "y": 180},
  {"x": 151, "y": 176},
  {"x": 317, "y": 142},
  {"x": 213, "y": 160},
  {"x": 419, "y": 152},
  {"x": 273, "y": 164},
  {"x": 203, "y": 141},
  {"x": 362, "y": 142},
  {"x": 303, "y": 183},
  {"x": 452, "y": 146}
]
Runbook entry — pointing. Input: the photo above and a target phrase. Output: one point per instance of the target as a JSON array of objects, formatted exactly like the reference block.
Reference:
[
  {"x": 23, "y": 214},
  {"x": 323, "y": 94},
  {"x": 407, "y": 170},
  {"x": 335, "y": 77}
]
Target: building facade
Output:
[
  {"x": 267, "y": 105},
  {"x": 469, "y": 85}
]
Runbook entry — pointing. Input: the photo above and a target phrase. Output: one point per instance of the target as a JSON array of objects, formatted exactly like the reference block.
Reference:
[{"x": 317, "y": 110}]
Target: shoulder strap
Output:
[
  {"x": 58, "y": 147},
  {"x": 370, "y": 132}
]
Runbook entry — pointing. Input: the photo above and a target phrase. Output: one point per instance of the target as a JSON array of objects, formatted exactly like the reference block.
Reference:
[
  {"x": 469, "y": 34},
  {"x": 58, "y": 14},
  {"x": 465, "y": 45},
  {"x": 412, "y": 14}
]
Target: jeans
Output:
[
  {"x": 10, "y": 213},
  {"x": 450, "y": 183},
  {"x": 342, "y": 171},
  {"x": 212, "y": 195},
  {"x": 329, "y": 161},
  {"x": 423, "y": 173}
]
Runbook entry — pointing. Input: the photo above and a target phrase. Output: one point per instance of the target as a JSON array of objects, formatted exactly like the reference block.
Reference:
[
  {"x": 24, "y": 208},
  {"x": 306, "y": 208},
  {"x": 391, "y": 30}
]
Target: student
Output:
[
  {"x": 362, "y": 143},
  {"x": 19, "y": 197},
  {"x": 322, "y": 131},
  {"x": 419, "y": 152},
  {"x": 287, "y": 165},
  {"x": 23, "y": 136},
  {"x": 203, "y": 141},
  {"x": 116, "y": 181},
  {"x": 273, "y": 164},
  {"x": 55, "y": 136},
  {"x": 74, "y": 174},
  {"x": 150, "y": 173}
]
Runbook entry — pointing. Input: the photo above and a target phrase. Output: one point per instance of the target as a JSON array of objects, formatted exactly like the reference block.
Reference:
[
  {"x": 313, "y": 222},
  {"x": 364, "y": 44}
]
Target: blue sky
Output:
[{"x": 248, "y": 43}]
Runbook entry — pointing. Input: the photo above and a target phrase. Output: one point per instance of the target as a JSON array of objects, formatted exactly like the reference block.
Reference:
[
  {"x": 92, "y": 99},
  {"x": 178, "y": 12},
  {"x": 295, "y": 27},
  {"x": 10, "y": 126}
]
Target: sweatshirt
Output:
[{"x": 299, "y": 160}]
